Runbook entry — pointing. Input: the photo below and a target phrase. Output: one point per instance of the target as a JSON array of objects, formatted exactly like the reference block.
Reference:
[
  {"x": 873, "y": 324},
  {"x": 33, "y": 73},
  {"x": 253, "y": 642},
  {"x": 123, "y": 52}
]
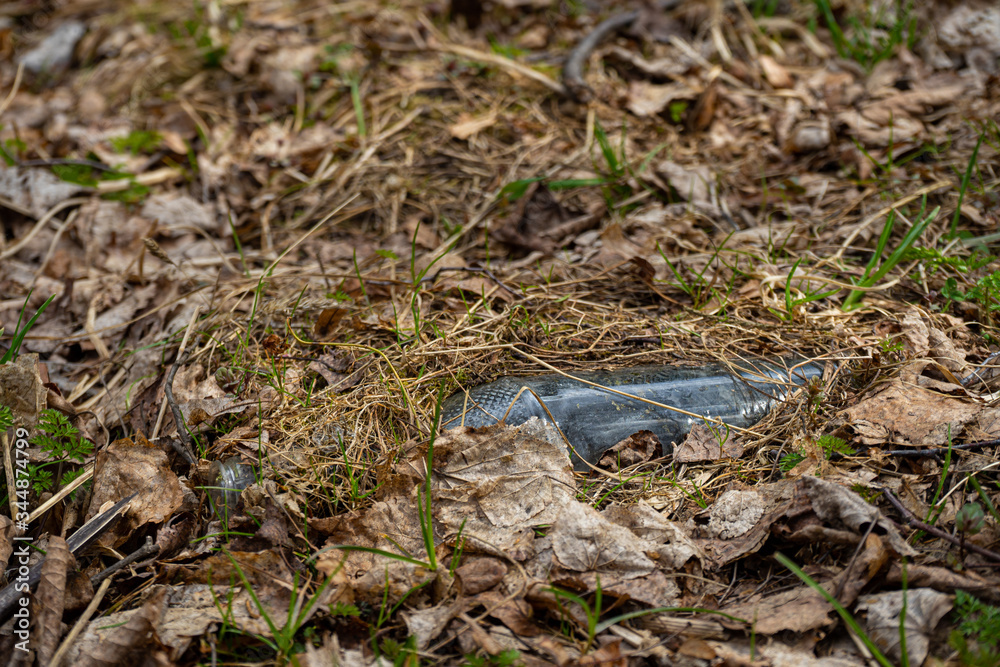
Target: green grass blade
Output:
[
  {"x": 609, "y": 154},
  {"x": 844, "y": 614},
  {"x": 965, "y": 183},
  {"x": 426, "y": 520},
  {"x": 19, "y": 334}
]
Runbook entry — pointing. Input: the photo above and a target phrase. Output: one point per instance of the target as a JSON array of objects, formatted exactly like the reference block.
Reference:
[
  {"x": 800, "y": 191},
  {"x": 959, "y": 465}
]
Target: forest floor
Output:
[{"x": 294, "y": 225}]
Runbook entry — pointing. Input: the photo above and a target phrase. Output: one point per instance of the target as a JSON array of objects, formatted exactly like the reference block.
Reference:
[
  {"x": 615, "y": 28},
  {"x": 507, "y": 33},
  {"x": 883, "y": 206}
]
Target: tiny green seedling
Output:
[
  {"x": 977, "y": 637},
  {"x": 592, "y": 614},
  {"x": 65, "y": 450},
  {"x": 698, "y": 288},
  {"x": 299, "y": 611},
  {"x": 137, "y": 141},
  {"x": 792, "y": 302},
  {"x": 829, "y": 443}
]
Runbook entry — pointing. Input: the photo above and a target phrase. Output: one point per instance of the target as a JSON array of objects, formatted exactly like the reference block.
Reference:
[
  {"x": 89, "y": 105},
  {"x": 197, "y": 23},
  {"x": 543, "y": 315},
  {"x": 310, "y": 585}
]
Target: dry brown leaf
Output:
[
  {"x": 693, "y": 184},
  {"x": 584, "y": 541},
  {"x": 534, "y": 213},
  {"x": 650, "y": 99},
  {"x": 638, "y": 448},
  {"x": 729, "y": 532},
  {"x": 21, "y": 389},
  {"x": 125, "y": 644},
  {"x": 510, "y": 477},
  {"x": 392, "y": 580},
  {"x": 775, "y": 73},
  {"x": 173, "y": 212},
  {"x": 386, "y": 524},
  {"x": 265, "y": 570},
  {"x": 124, "y": 467},
  {"x": 617, "y": 247},
  {"x": 608, "y": 655},
  {"x": 910, "y": 414},
  {"x": 34, "y": 190},
  {"x": 702, "y": 444},
  {"x": 943, "y": 579},
  {"x": 480, "y": 574},
  {"x": 426, "y": 624},
  {"x": 50, "y": 596},
  {"x": 924, "y": 608},
  {"x": 674, "y": 549},
  {"x": 654, "y": 590},
  {"x": 838, "y": 506},
  {"x": 515, "y": 614},
  {"x": 803, "y": 609},
  {"x": 191, "y": 611},
  {"x": 697, "y": 648}
]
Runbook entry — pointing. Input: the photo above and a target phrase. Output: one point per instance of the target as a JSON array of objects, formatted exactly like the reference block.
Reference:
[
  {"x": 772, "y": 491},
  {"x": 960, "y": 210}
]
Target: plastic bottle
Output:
[
  {"x": 594, "y": 419},
  {"x": 229, "y": 480}
]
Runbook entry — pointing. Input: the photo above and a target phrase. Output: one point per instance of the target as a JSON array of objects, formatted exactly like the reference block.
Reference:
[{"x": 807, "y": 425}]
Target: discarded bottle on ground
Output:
[
  {"x": 229, "y": 480},
  {"x": 595, "y": 419}
]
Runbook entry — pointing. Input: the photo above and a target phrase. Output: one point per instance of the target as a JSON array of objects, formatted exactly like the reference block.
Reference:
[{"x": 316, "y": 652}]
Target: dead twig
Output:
[
  {"x": 473, "y": 269},
  {"x": 79, "y": 541},
  {"x": 80, "y": 624},
  {"x": 572, "y": 74},
  {"x": 148, "y": 549},
  {"x": 967, "y": 380},
  {"x": 939, "y": 451},
  {"x": 914, "y": 522},
  {"x": 184, "y": 446}
]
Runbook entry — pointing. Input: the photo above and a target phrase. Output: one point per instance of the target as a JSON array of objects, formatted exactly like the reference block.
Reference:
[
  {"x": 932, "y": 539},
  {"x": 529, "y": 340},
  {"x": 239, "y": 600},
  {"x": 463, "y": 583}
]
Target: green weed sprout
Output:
[
  {"x": 595, "y": 626},
  {"x": 874, "y": 37},
  {"x": 874, "y": 272},
  {"x": 15, "y": 344},
  {"x": 830, "y": 444},
  {"x": 977, "y": 638},
  {"x": 299, "y": 611},
  {"x": 63, "y": 446}
]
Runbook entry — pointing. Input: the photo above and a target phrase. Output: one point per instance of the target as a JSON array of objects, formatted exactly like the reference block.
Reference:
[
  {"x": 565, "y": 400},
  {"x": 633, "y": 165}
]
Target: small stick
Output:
[
  {"x": 938, "y": 451},
  {"x": 184, "y": 447},
  {"x": 472, "y": 269},
  {"x": 937, "y": 532},
  {"x": 967, "y": 380},
  {"x": 79, "y": 541},
  {"x": 572, "y": 74},
  {"x": 148, "y": 549},
  {"x": 80, "y": 623}
]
